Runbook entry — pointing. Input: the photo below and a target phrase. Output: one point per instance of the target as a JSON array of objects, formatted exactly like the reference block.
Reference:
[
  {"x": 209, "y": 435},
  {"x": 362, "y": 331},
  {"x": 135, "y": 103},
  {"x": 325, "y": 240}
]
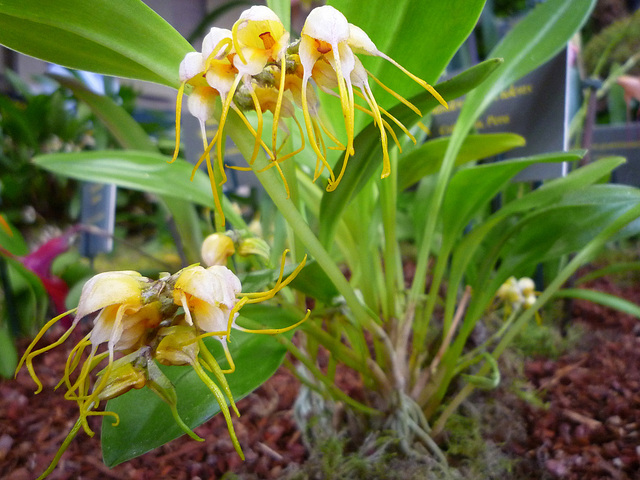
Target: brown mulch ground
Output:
[
  {"x": 33, "y": 426},
  {"x": 591, "y": 429}
]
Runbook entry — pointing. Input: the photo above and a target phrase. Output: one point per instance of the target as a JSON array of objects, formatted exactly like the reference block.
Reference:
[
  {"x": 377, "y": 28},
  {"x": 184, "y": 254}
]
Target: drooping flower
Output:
[
  {"x": 121, "y": 323},
  {"x": 211, "y": 300},
  {"x": 328, "y": 36},
  {"x": 517, "y": 293},
  {"x": 208, "y": 296},
  {"x": 140, "y": 320}
]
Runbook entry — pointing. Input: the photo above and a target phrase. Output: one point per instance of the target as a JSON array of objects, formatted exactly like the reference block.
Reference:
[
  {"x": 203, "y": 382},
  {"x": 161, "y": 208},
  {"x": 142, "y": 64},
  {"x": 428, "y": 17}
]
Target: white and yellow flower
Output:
[{"x": 328, "y": 36}]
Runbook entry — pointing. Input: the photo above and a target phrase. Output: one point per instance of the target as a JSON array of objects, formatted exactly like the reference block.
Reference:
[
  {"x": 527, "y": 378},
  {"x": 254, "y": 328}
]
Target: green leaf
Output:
[
  {"x": 30, "y": 295},
  {"x": 146, "y": 421},
  {"x": 12, "y": 241},
  {"x": 365, "y": 161},
  {"x": 312, "y": 281},
  {"x": 470, "y": 189},
  {"x": 613, "y": 269},
  {"x": 144, "y": 171},
  {"x": 421, "y": 36},
  {"x": 602, "y": 298},
  {"x": 564, "y": 227},
  {"x": 8, "y": 353},
  {"x": 131, "y": 135},
  {"x": 427, "y": 159},
  {"x": 127, "y": 132},
  {"x": 122, "y": 38},
  {"x": 550, "y": 193}
]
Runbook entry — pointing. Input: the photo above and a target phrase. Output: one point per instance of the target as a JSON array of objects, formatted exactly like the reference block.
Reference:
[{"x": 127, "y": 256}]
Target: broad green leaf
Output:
[
  {"x": 550, "y": 193},
  {"x": 122, "y": 38},
  {"x": 131, "y": 135},
  {"x": 365, "y": 161},
  {"x": 565, "y": 226},
  {"x": 558, "y": 187},
  {"x": 427, "y": 159},
  {"x": 602, "y": 298},
  {"x": 145, "y": 420},
  {"x": 12, "y": 241},
  {"x": 144, "y": 171},
  {"x": 470, "y": 189},
  {"x": 421, "y": 36}
]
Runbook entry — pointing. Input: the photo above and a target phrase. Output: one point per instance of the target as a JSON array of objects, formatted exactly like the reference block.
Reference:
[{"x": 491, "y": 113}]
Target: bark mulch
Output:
[
  {"x": 591, "y": 429},
  {"x": 32, "y": 428}
]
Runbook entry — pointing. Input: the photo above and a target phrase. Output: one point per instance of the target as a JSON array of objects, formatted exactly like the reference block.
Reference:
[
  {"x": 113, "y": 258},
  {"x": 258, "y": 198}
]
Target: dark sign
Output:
[
  {"x": 534, "y": 107},
  {"x": 622, "y": 140}
]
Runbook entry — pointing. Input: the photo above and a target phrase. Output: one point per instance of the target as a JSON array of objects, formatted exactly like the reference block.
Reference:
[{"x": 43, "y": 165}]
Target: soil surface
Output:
[
  {"x": 32, "y": 427},
  {"x": 589, "y": 430}
]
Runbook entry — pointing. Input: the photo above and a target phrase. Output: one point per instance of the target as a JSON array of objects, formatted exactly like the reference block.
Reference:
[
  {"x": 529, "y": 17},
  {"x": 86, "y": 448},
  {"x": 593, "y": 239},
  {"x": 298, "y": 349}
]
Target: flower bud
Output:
[
  {"x": 216, "y": 249},
  {"x": 121, "y": 380},
  {"x": 178, "y": 347},
  {"x": 254, "y": 246}
]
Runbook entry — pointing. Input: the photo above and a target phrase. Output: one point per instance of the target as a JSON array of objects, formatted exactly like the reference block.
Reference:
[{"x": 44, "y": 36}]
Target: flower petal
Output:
[{"x": 110, "y": 288}]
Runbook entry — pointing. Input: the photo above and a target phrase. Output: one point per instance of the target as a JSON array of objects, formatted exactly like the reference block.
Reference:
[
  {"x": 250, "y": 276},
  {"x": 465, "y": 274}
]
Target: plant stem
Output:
[
  {"x": 388, "y": 202},
  {"x": 583, "y": 256},
  {"x": 272, "y": 183}
]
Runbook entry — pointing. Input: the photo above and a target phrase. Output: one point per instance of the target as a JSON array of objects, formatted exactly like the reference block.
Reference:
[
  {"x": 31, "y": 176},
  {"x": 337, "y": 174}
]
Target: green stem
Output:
[
  {"x": 72, "y": 434},
  {"x": 583, "y": 256},
  {"x": 272, "y": 183},
  {"x": 318, "y": 375},
  {"x": 388, "y": 202}
]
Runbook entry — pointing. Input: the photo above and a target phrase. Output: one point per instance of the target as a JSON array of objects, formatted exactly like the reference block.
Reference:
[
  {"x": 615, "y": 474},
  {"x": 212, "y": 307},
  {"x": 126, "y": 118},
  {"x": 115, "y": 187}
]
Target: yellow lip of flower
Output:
[{"x": 258, "y": 37}]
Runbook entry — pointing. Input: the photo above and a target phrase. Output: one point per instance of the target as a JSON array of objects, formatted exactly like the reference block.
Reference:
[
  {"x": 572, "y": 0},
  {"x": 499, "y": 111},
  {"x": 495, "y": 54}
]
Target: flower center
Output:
[
  {"x": 322, "y": 46},
  {"x": 268, "y": 40}
]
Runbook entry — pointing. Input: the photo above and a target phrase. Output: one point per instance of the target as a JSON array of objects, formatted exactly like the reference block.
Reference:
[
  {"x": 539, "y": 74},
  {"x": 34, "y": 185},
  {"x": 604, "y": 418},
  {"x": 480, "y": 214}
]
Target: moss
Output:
[
  {"x": 545, "y": 339},
  {"x": 616, "y": 43}
]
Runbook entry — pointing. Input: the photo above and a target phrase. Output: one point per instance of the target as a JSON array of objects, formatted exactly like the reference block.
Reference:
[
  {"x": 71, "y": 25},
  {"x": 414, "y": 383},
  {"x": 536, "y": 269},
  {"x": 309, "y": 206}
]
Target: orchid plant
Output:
[{"x": 341, "y": 186}]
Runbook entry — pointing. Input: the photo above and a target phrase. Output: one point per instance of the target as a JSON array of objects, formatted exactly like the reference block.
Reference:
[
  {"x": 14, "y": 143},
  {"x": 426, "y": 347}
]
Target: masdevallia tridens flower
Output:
[
  {"x": 138, "y": 323},
  {"x": 328, "y": 37},
  {"x": 253, "y": 67},
  {"x": 211, "y": 299}
]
